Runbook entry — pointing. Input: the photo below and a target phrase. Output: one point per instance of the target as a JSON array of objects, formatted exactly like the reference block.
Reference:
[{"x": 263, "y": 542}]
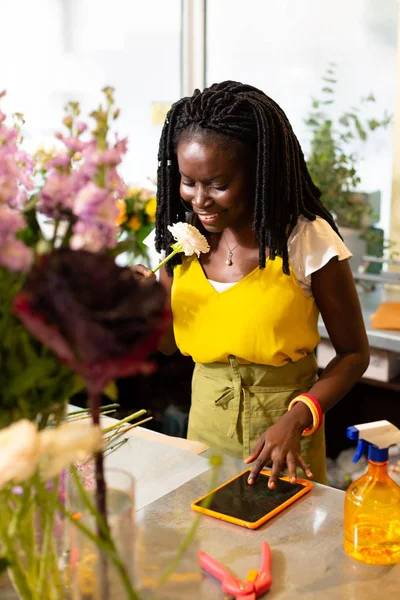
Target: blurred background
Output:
[
  {"x": 155, "y": 51},
  {"x": 334, "y": 68}
]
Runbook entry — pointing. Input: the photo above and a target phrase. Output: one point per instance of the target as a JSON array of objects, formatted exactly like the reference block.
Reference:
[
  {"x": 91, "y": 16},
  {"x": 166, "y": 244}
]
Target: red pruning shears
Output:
[{"x": 256, "y": 584}]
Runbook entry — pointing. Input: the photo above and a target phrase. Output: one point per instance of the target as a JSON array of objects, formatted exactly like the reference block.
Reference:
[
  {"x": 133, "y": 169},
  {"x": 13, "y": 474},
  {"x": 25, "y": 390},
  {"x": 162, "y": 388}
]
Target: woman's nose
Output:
[{"x": 201, "y": 198}]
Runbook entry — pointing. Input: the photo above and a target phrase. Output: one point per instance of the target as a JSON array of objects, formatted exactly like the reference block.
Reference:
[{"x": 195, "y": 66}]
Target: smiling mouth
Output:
[{"x": 208, "y": 217}]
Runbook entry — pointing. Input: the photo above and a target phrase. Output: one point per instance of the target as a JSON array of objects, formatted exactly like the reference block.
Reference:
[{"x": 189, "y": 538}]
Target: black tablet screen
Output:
[{"x": 250, "y": 503}]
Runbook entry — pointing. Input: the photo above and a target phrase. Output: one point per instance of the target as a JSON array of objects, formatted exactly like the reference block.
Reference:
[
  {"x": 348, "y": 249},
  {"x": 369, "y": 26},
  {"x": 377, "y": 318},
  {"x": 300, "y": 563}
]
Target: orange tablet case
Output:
[{"x": 249, "y": 524}]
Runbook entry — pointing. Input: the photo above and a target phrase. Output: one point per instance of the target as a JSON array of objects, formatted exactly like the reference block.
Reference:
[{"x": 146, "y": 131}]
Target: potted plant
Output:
[{"x": 333, "y": 165}]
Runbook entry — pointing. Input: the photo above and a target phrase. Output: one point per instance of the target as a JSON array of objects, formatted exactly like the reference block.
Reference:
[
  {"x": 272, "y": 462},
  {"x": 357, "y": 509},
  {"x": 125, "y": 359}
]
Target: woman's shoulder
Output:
[{"x": 311, "y": 245}]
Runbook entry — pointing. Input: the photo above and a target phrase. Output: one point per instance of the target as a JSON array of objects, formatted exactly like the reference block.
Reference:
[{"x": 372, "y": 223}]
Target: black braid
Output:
[{"x": 283, "y": 186}]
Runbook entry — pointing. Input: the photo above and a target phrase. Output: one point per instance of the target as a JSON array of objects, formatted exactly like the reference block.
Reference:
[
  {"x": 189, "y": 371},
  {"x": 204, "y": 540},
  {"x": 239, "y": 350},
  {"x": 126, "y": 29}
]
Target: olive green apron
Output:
[{"x": 234, "y": 404}]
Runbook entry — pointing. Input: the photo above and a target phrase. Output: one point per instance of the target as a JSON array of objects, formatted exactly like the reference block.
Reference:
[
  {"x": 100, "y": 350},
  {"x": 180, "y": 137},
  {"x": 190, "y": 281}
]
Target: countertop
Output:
[
  {"x": 308, "y": 560},
  {"x": 381, "y": 339}
]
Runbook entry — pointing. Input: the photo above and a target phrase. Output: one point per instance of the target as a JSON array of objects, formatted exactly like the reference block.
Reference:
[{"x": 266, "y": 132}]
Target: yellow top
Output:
[{"x": 266, "y": 318}]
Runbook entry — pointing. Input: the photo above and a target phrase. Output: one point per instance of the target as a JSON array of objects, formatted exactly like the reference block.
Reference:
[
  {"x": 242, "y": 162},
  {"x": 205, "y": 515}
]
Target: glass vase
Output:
[{"x": 91, "y": 574}]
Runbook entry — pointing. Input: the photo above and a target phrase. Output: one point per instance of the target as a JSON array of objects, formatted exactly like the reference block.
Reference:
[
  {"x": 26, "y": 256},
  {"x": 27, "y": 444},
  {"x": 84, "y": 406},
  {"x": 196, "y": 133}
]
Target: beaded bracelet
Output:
[{"x": 315, "y": 410}]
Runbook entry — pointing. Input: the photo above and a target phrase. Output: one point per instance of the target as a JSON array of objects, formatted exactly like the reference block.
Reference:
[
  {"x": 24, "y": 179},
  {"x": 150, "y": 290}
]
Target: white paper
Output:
[{"x": 157, "y": 468}]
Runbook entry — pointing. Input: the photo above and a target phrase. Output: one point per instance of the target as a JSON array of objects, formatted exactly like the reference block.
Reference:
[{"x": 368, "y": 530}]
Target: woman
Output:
[{"x": 247, "y": 311}]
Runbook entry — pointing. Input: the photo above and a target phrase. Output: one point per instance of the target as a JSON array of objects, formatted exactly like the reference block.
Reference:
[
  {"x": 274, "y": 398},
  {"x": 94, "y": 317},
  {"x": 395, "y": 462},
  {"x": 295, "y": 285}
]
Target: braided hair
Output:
[{"x": 283, "y": 186}]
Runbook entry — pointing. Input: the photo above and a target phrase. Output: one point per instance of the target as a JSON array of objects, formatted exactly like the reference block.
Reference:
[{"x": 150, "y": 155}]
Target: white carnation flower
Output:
[
  {"x": 189, "y": 238},
  {"x": 67, "y": 444},
  {"x": 19, "y": 452}
]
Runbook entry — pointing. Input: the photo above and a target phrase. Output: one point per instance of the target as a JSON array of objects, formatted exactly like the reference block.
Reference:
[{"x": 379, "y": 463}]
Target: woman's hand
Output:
[
  {"x": 142, "y": 272},
  {"x": 281, "y": 444}
]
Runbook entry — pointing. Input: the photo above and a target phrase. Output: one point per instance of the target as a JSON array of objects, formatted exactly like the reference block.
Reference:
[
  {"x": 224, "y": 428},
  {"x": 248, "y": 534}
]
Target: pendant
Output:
[{"x": 229, "y": 258}]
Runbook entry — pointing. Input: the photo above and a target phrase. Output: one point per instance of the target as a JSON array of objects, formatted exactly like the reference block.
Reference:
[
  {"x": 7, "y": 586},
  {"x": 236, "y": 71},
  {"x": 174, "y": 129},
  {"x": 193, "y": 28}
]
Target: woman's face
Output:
[{"x": 216, "y": 180}]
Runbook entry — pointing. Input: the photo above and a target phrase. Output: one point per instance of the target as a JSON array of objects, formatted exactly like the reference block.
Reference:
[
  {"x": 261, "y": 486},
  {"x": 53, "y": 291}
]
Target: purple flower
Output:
[{"x": 93, "y": 314}]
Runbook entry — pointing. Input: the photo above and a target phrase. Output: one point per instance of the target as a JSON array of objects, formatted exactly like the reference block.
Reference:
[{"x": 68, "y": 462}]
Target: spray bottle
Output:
[{"x": 372, "y": 503}]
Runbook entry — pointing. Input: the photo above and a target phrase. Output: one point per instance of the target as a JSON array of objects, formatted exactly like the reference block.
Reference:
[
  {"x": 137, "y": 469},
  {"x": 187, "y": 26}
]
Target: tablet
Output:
[{"x": 251, "y": 505}]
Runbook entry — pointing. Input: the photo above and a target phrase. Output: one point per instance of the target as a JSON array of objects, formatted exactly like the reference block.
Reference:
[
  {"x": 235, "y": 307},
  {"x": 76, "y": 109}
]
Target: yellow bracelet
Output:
[{"x": 313, "y": 411}]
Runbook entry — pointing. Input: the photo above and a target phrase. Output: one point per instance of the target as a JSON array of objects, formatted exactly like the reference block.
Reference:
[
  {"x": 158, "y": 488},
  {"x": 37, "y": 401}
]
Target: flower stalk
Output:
[{"x": 176, "y": 249}]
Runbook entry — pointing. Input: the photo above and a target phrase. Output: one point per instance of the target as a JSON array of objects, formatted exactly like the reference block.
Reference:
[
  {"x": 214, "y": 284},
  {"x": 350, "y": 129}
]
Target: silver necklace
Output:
[{"x": 229, "y": 256}]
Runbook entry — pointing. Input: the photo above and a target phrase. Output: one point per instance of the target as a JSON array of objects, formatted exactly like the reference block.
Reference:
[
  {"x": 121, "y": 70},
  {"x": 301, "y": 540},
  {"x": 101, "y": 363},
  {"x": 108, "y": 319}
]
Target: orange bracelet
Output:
[{"x": 313, "y": 410}]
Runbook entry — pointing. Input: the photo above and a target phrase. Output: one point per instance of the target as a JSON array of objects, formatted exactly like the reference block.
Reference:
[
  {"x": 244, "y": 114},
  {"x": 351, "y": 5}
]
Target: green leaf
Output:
[
  {"x": 33, "y": 200},
  {"x": 373, "y": 124},
  {"x": 30, "y": 377},
  {"x": 327, "y": 90},
  {"x": 344, "y": 121},
  {"x": 361, "y": 132},
  {"x": 315, "y": 104},
  {"x": 111, "y": 391},
  {"x": 329, "y": 79}
]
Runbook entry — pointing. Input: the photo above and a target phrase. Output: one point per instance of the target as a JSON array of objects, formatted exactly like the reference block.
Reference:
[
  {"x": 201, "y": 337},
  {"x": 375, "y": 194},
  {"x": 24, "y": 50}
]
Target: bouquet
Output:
[{"x": 70, "y": 319}]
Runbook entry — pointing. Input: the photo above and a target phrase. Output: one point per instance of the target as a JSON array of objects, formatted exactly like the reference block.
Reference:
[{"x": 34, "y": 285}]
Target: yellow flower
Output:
[
  {"x": 134, "y": 223},
  {"x": 150, "y": 209},
  {"x": 122, "y": 212},
  {"x": 132, "y": 191}
]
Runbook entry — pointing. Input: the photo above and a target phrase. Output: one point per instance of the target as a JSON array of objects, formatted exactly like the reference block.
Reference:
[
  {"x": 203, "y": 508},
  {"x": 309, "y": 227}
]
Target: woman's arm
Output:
[
  {"x": 337, "y": 299},
  {"x": 336, "y": 296}
]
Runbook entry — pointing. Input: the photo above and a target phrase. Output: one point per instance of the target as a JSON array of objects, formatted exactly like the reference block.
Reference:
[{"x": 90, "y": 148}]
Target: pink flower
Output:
[
  {"x": 111, "y": 157},
  {"x": 62, "y": 160},
  {"x": 74, "y": 144},
  {"x": 121, "y": 145},
  {"x": 114, "y": 183},
  {"x": 96, "y": 209},
  {"x": 81, "y": 126},
  {"x": 14, "y": 254},
  {"x": 93, "y": 238},
  {"x": 11, "y": 221},
  {"x": 57, "y": 195}
]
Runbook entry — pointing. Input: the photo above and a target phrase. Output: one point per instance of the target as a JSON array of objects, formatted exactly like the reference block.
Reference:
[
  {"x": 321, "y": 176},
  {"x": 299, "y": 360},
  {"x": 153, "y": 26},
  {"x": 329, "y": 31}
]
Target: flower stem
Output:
[
  {"x": 84, "y": 411},
  {"x": 54, "y": 238},
  {"x": 106, "y": 545},
  {"x": 17, "y": 573},
  {"x": 183, "y": 546},
  {"x": 101, "y": 499},
  {"x": 163, "y": 262},
  {"x": 135, "y": 415}
]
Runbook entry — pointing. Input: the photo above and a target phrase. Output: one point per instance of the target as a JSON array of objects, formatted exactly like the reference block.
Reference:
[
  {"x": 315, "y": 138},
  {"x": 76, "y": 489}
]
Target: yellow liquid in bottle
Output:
[{"x": 372, "y": 517}]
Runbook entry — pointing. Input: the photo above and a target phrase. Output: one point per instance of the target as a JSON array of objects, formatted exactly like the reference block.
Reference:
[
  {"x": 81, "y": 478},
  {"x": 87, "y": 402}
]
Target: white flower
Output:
[
  {"x": 190, "y": 238},
  {"x": 67, "y": 444},
  {"x": 19, "y": 452}
]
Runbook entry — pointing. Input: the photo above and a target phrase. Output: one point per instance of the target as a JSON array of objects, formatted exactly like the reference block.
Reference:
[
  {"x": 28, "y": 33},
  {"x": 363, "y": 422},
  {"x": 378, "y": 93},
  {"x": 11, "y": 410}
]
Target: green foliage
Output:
[
  {"x": 33, "y": 382},
  {"x": 333, "y": 167}
]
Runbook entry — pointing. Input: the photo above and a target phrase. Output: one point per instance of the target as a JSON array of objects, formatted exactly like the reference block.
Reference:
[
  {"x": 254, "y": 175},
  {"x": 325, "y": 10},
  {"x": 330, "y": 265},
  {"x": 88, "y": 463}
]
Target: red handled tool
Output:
[{"x": 256, "y": 584}]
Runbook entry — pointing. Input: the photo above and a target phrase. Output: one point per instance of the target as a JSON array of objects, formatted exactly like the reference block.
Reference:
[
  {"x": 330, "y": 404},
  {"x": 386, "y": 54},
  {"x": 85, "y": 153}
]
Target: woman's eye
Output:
[
  {"x": 188, "y": 183},
  {"x": 220, "y": 188}
]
